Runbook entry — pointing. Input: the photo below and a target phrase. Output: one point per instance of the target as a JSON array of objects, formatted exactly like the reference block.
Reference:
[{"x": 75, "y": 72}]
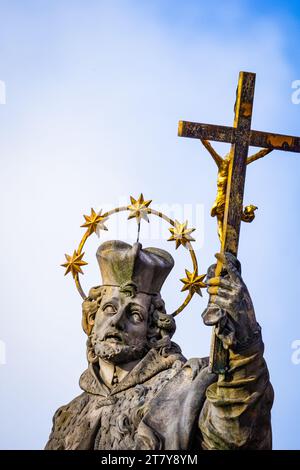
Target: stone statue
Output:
[{"x": 139, "y": 391}]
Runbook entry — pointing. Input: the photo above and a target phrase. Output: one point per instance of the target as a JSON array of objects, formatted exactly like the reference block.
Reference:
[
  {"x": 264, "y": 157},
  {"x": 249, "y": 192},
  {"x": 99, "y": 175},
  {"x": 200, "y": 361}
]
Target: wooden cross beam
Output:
[
  {"x": 231, "y": 180},
  {"x": 230, "y": 135}
]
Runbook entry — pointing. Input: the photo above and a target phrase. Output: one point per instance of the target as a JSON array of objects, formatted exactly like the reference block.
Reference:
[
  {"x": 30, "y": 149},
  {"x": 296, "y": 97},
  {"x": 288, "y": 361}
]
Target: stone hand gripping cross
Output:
[{"x": 230, "y": 307}]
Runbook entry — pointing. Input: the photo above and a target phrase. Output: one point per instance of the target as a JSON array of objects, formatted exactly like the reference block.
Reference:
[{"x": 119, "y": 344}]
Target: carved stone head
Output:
[{"x": 125, "y": 316}]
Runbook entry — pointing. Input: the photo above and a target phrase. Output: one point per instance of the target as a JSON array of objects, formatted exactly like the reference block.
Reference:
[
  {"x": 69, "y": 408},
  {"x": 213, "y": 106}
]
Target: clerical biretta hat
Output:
[{"x": 122, "y": 264}]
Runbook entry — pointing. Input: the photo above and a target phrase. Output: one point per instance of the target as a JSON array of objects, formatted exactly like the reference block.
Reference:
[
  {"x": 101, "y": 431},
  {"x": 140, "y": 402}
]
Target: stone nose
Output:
[{"x": 118, "y": 320}]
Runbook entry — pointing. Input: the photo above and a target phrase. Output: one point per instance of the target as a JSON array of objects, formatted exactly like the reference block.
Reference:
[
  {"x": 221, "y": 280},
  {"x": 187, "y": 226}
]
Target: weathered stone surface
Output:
[{"x": 139, "y": 392}]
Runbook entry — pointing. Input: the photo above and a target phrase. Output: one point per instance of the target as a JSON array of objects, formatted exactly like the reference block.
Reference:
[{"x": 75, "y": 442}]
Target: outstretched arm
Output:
[{"x": 236, "y": 413}]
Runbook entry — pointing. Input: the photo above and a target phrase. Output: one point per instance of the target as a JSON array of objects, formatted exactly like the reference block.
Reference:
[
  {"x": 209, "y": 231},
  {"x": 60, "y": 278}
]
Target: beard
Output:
[{"x": 118, "y": 352}]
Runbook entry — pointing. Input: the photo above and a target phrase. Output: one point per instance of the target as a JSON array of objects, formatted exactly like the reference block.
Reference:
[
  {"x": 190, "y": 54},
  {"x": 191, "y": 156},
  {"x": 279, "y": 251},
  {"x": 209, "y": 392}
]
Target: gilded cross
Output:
[{"x": 228, "y": 206}]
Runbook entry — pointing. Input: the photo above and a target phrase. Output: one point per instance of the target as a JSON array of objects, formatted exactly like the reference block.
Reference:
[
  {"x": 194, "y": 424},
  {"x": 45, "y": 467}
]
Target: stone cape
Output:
[{"x": 155, "y": 407}]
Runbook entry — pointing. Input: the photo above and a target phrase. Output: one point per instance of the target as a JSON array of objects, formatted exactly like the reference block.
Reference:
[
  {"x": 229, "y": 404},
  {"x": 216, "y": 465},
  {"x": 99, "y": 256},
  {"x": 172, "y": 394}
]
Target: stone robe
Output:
[{"x": 168, "y": 403}]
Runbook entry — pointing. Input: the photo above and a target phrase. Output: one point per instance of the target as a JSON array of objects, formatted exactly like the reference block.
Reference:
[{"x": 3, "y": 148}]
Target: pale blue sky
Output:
[{"x": 94, "y": 91}]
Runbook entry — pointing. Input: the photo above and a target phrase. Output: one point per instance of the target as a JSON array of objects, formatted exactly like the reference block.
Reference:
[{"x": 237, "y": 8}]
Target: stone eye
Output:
[
  {"x": 110, "y": 309},
  {"x": 136, "y": 316}
]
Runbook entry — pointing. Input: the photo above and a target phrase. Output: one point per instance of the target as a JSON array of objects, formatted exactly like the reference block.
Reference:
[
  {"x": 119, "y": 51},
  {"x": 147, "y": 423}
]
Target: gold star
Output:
[
  {"x": 74, "y": 263},
  {"x": 193, "y": 283},
  {"x": 95, "y": 222},
  {"x": 181, "y": 234},
  {"x": 138, "y": 208}
]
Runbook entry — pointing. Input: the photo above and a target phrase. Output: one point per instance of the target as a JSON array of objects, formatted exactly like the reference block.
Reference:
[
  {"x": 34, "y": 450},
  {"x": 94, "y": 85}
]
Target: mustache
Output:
[{"x": 112, "y": 333}]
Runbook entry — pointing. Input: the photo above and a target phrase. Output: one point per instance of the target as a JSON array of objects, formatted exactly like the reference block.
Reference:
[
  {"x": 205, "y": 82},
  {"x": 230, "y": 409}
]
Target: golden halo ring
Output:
[{"x": 148, "y": 210}]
